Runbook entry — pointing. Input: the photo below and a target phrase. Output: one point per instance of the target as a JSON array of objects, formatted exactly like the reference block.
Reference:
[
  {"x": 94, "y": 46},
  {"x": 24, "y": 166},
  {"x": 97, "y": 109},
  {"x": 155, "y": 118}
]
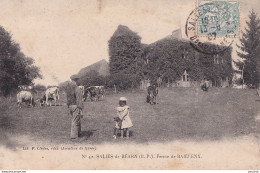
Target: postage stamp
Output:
[
  {"x": 215, "y": 23},
  {"x": 220, "y": 17}
]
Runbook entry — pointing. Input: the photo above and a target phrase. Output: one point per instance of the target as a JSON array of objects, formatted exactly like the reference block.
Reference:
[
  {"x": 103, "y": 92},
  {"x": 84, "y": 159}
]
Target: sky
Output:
[{"x": 64, "y": 36}]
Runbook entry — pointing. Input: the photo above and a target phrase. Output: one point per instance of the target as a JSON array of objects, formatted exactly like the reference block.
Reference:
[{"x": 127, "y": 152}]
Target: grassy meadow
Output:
[{"x": 182, "y": 114}]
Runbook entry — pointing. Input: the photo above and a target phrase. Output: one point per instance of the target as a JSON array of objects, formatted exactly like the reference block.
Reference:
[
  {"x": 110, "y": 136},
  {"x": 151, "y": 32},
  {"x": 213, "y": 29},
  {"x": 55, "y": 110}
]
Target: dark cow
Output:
[
  {"x": 101, "y": 92},
  {"x": 43, "y": 100},
  {"x": 152, "y": 92},
  {"x": 92, "y": 93},
  {"x": 205, "y": 85}
]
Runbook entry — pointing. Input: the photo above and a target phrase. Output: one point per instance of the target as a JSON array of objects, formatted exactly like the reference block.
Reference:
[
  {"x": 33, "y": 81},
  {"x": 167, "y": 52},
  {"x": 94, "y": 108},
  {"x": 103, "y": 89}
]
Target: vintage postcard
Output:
[{"x": 138, "y": 84}]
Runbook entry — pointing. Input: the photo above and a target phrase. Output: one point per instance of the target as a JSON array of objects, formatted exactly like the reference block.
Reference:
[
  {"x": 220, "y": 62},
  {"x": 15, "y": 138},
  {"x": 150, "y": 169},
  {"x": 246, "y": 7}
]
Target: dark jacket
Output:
[{"x": 74, "y": 97}]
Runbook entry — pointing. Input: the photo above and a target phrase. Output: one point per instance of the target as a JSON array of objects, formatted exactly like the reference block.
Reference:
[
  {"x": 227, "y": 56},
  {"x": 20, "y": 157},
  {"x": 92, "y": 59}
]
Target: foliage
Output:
[
  {"x": 121, "y": 81},
  {"x": 250, "y": 50},
  {"x": 15, "y": 68},
  {"x": 170, "y": 58},
  {"x": 38, "y": 87},
  {"x": 67, "y": 86},
  {"x": 92, "y": 78},
  {"x": 131, "y": 61},
  {"x": 221, "y": 70},
  {"x": 124, "y": 50}
]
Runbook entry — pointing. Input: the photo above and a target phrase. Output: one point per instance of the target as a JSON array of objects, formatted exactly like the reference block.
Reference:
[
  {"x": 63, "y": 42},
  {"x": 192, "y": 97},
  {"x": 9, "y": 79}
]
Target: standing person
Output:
[
  {"x": 205, "y": 85},
  {"x": 148, "y": 83},
  {"x": 124, "y": 122},
  {"x": 75, "y": 105}
]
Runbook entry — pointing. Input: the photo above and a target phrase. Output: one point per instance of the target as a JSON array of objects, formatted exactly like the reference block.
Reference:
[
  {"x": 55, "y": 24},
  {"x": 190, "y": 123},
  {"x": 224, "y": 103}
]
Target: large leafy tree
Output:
[
  {"x": 169, "y": 58},
  {"x": 124, "y": 51},
  {"x": 249, "y": 53},
  {"x": 15, "y": 68},
  {"x": 217, "y": 71}
]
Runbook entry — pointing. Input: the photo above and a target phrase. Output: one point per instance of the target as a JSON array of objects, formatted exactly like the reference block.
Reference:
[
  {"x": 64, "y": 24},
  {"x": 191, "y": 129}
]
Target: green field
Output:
[{"x": 182, "y": 114}]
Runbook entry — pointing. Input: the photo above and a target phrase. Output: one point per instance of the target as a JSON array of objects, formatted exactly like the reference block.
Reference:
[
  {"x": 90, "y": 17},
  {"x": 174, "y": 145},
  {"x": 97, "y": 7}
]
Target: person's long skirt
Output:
[{"x": 75, "y": 122}]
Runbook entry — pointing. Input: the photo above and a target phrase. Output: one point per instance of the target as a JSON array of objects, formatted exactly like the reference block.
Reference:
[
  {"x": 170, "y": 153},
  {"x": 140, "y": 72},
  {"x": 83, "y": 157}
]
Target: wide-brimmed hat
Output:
[
  {"x": 74, "y": 77},
  {"x": 122, "y": 99}
]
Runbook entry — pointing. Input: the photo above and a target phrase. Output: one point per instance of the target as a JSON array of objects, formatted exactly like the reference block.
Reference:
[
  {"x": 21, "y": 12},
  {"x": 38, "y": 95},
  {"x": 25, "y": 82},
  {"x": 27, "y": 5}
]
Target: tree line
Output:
[
  {"x": 249, "y": 52},
  {"x": 15, "y": 67},
  {"x": 166, "y": 58},
  {"x": 131, "y": 61}
]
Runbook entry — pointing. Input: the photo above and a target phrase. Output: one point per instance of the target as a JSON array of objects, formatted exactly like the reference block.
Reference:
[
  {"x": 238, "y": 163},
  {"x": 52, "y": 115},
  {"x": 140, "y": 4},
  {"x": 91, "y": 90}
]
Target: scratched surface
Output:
[{"x": 221, "y": 132}]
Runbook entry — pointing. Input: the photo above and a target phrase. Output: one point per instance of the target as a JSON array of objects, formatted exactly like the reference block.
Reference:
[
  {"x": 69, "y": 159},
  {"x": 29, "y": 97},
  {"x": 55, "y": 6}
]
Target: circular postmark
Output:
[{"x": 212, "y": 27}]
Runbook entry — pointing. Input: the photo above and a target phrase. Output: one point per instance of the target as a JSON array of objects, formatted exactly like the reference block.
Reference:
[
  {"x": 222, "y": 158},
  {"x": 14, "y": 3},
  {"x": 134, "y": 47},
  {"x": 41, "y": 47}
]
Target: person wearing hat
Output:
[
  {"x": 75, "y": 105},
  {"x": 123, "y": 121}
]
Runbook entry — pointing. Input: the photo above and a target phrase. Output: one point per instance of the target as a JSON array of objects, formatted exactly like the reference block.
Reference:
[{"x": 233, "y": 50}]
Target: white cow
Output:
[
  {"x": 82, "y": 88},
  {"x": 25, "y": 96},
  {"x": 52, "y": 93}
]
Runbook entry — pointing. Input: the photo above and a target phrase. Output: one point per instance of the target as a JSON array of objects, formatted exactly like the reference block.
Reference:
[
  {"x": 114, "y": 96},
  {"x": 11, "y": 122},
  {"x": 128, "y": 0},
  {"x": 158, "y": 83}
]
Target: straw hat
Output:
[{"x": 122, "y": 99}]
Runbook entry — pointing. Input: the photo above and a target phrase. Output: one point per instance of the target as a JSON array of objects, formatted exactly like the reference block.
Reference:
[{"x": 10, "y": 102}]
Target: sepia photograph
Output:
[{"x": 130, "y": 85}]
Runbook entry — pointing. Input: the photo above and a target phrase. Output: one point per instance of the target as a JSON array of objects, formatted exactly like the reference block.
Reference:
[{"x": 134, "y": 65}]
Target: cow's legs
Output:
[
  {"x": 151, "y": 99},
  {"x": 46, "y": 99},
  {"x": 147, "y": 99},
  {"x": 19, "y": 104}
]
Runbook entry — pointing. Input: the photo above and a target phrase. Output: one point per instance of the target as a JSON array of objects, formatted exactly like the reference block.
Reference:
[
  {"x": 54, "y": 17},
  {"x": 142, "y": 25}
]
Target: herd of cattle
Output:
[{"x": 93, "y": 93}]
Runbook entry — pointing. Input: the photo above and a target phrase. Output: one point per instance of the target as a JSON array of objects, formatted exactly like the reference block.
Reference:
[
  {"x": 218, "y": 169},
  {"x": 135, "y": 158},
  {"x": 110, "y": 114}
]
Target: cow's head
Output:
[{"x": 41, "y": 101}]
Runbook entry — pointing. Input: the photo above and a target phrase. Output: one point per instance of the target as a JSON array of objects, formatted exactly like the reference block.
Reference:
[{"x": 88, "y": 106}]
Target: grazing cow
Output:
[
  {"x": 92, "y": 93},
  {"x": 43, "y": 100},
  {"x": 152, "y": 94},
  {"x": 25, "y": 96},
  {"x": 205, "y": 85},
  {"x": 52, "y": 93},
  {"x": 101, "y": 91}
]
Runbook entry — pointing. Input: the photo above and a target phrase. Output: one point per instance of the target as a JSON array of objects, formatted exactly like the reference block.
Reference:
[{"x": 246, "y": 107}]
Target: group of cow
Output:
[
  {"x": 152, "y": 93},
  {"x": 25, "y": 95},
  {"x": 93, "y": 93}
]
